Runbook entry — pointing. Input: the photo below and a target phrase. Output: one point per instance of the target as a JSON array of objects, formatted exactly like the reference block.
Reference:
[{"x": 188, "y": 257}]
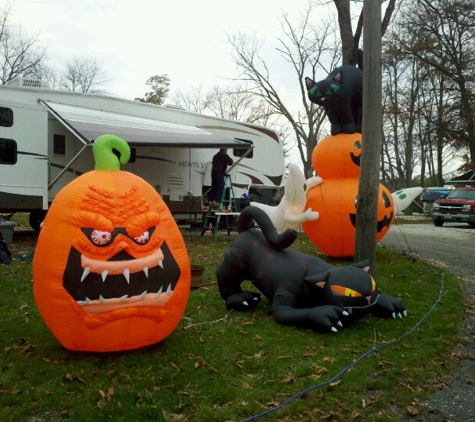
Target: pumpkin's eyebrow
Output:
[
  {"x": 86, "y": 219},
  {"x": 136, "y": 225}
]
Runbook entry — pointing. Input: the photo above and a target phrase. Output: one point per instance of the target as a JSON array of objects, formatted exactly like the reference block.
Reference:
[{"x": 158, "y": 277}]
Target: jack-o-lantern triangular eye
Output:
[{"x": 386, "y": 200}]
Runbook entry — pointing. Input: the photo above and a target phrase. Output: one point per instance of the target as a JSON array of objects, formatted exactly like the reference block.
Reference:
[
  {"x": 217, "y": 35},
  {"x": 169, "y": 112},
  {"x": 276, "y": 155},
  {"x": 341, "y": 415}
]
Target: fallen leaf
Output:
[
  {"x": 246, "y": 386},
  {"x": 412, "y": 410}
]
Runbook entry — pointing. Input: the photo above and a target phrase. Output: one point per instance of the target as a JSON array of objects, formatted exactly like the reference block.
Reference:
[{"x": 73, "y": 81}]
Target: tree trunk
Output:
[{"x": 368, "y": 187}]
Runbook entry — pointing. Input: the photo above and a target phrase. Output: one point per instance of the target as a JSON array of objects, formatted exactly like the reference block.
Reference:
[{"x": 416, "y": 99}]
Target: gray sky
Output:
[{"x": 134, "y": 40}]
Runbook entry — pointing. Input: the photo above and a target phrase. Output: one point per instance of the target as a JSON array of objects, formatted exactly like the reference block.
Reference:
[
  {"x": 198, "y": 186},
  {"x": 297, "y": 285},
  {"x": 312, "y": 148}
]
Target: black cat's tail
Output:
[{"x": 276, "y": 240}]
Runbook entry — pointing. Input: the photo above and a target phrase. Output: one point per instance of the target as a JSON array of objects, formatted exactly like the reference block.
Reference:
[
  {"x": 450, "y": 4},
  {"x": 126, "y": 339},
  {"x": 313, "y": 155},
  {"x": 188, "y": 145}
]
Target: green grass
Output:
[{"x": 228, "y": 366}]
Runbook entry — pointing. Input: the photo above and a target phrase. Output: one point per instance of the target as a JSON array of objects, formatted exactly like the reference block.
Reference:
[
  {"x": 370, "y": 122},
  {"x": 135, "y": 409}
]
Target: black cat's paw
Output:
[
  {"x": 388, "y": 307},
  {"x": 243, "y": 301},
  {"x": 327, "y": 318}
]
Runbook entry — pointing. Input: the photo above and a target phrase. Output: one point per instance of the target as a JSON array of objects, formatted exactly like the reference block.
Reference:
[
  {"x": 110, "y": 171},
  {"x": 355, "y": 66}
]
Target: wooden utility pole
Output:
[{"x": 368, "y": 187}]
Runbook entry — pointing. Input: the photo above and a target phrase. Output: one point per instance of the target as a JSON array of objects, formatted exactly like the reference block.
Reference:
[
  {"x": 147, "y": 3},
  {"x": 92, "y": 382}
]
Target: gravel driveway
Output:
[{"x": 452, "y": 247}]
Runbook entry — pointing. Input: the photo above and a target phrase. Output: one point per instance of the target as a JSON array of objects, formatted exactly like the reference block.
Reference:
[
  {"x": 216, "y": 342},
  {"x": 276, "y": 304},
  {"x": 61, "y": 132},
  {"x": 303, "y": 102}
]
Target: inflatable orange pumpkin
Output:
[
  {"x": 336, "y": 159},
  {"x": 111, "y": 271},
  {"x": 338, "y": 156},
  {"x": 334, "y": 232}
]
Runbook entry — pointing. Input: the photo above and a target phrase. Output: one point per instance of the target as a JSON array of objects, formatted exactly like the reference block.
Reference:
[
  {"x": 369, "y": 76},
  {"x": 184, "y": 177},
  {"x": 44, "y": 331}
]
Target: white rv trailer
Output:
[{"x": 46, "y": 137}]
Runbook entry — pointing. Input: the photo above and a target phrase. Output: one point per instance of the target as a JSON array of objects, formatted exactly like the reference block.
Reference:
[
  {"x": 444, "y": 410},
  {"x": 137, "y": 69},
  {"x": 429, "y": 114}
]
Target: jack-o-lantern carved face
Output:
[
  {"x": 334, "y": 232},
  {"x": 111, "y": 271},
  {"x": 338, "y": 156},
  {"x": 385, "y": 211}
]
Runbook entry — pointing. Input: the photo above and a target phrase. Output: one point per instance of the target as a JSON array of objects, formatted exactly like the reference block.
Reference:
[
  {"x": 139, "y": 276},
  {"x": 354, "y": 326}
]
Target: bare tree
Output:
[
  {"x": 84, "y": 75},
  {"x": 350, "y": 40},
  {"x": 306, "y": 48},
  {"x": 20, "y": 54},
  {"x": 442, "y": 35},
  {"x": 235, "y": 103},
  {"x": 196, "y": 99}
]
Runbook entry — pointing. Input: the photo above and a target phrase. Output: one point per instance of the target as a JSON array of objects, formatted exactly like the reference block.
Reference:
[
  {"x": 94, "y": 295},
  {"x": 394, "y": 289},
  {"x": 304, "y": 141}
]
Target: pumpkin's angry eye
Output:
[
  {"x": 102, "y": 238},
  {"x": 122, "y": 281}
]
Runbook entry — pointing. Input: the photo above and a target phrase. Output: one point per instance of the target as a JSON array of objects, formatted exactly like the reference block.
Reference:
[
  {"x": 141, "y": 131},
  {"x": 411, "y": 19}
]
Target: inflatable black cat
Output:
[
  {"x": 304, "y": 290},
  {"x": 341, "y": 94}
]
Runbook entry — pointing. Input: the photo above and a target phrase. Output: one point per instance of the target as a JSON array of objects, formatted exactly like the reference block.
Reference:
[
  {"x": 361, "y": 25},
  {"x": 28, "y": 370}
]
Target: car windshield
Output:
[{"x": 462, "y": 194}]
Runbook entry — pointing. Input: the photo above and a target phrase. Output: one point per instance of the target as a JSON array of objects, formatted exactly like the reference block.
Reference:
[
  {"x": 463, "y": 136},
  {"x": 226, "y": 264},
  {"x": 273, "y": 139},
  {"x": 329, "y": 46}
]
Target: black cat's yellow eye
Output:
[
  {"x": 373, "y": 285},
  {"x": 344, "y": 291}
]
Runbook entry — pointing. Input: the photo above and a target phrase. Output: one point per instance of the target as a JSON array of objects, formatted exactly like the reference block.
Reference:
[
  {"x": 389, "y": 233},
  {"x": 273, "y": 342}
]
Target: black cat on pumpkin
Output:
[{"x": 341, "y": 94}]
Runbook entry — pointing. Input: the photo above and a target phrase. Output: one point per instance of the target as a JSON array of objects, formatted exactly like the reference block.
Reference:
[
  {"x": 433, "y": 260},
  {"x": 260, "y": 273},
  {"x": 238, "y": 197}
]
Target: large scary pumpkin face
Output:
[
  {"x": 111, "y": 271},
  {"x": 334, "y": 232},
  {"x": 338, "y": 156}
]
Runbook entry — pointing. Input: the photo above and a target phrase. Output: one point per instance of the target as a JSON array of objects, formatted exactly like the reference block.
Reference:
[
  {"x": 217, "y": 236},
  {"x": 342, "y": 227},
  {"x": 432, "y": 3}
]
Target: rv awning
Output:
[{"x": 88, "y": 124}]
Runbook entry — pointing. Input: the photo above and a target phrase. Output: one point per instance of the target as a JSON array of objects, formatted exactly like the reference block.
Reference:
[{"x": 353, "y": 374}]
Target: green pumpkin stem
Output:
[{"x": 105, "y": 159}]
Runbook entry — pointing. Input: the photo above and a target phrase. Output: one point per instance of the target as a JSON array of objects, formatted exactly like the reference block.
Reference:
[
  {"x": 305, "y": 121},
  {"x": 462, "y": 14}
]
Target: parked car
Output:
[{"x": 458, "y": 206}]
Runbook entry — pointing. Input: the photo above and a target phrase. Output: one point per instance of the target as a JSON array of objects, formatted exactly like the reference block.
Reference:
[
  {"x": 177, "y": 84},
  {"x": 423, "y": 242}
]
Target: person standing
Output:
[{"x": 220, "y": 163}]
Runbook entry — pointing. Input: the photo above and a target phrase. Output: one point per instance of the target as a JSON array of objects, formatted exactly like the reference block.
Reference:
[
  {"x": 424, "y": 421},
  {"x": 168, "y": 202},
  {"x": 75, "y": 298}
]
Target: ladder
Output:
[{"x": 226, "y": 209}]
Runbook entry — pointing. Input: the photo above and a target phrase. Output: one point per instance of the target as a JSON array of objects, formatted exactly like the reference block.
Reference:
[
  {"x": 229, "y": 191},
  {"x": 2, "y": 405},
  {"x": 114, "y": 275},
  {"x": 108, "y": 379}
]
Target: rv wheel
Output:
[{"x": 36, "y": 218}]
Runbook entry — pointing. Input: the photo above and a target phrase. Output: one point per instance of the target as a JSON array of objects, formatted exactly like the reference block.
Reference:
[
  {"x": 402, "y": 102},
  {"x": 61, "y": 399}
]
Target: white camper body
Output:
[{"x": 46, "y": 138}]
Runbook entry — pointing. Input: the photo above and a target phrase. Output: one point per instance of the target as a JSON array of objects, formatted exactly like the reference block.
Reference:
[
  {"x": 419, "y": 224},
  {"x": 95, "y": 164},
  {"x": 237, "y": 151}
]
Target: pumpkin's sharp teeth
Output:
[
  {"x": 85, "y": 273},
  {"x": 101, "y": 299},
  {"x": 142, "y": 296},
  {"x": 88, "y": 301},
  {"x": 160, "y": 264},
  {"x": 169, "y": 289},
  {"x": 104, "y": 274},
  {"x": 123, "y": 298},
  {"x": 160, "y": 291},
  {"x": 126, "y": 274},
  {"x": 145, "y": 270}
]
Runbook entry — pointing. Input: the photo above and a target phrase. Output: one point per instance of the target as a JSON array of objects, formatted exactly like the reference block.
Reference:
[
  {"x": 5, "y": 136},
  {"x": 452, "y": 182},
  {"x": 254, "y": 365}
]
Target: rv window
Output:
[
  {"x": 6, "y": 117},
  {"x": 241, "y": 152},
  {"x": 8, "y": 152},
  {"x": 59, "y": 145}
]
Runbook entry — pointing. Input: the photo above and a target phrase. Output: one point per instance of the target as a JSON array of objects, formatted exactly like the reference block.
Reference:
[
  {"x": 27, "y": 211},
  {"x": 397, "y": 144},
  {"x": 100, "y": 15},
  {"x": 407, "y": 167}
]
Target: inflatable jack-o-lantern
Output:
[
  {"x": 334, "y": 232},
  {"x": 337, "y": 160},
  {"x": 111, "y": 271}
]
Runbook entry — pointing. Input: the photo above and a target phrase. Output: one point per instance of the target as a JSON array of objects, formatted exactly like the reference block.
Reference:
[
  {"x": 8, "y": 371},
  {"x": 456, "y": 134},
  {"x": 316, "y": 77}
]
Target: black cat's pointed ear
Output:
[
  {"x": 364, "y": 265},
  {"x": 309, "y": 82},
  {"x": 319, "y": 280},
  {"x": 337, "y": 77}
]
